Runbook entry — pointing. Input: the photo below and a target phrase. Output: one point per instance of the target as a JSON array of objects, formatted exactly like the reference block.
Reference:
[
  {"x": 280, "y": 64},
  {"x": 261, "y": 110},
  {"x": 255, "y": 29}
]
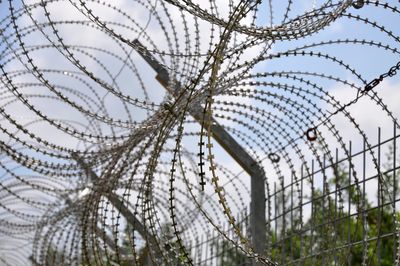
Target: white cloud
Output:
[{"x": 366, "y": 112}]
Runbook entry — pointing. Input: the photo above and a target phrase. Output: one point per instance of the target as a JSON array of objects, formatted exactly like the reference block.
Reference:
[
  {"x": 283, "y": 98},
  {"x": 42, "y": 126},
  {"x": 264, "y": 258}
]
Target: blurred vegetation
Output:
[{"x": 330, "y": 234}]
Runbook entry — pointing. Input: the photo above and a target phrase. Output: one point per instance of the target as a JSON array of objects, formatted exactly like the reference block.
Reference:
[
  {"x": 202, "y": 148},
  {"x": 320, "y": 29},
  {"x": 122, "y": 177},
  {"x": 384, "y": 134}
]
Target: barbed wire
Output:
[{"x": 102, "y": 163}]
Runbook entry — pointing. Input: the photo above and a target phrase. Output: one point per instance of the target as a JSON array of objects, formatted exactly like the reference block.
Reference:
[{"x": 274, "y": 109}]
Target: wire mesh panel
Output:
[
  {"x": 165, "y": 132},
  {"x": 339, "y": 215},
  {"x": 331, "y": 215}
]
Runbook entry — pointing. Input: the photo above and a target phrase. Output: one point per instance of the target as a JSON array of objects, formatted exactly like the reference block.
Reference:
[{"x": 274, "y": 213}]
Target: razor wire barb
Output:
[{"x": 191, "y": 132}]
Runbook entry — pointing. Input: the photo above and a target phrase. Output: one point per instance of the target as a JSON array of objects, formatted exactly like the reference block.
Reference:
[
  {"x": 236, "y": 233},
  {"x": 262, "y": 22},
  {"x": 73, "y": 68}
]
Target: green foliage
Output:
[
  {"x": 330, "y": 234},
  {"x": 229, "y": 255}
]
